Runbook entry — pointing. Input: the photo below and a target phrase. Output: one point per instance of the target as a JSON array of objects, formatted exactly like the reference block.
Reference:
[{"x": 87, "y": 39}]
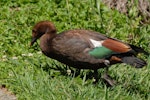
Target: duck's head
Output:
[{"x": 41, "y": 28}]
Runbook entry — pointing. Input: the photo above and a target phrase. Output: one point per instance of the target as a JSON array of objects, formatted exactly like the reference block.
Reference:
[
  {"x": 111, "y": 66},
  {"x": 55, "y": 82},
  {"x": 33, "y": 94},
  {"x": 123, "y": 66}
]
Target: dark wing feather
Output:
[{"x": 139, "y": 49}]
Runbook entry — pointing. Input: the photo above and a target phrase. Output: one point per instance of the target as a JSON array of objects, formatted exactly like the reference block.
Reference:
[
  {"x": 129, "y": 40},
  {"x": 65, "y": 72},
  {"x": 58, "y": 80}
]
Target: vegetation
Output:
[{"x": 32, "y": 76}]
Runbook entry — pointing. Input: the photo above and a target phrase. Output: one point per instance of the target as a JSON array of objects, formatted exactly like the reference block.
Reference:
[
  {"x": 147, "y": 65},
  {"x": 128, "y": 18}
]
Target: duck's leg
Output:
[
  {"x": 77, "y": 72},
  {"x": 107, "y": 78},
  {"x": 95, "y": 76}
]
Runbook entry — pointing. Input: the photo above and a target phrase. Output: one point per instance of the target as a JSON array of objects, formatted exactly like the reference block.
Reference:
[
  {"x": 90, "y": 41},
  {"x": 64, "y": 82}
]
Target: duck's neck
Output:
[{"x": 46, "y": 43}]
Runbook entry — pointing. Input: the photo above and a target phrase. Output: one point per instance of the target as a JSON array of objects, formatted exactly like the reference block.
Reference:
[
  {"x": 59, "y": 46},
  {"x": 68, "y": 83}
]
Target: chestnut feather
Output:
[{"x": 116, "y": 46}]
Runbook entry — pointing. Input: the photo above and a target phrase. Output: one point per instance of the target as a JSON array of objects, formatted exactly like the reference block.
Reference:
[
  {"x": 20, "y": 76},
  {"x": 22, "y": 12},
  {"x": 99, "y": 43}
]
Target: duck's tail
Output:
[{"x": 133, "y": 61}]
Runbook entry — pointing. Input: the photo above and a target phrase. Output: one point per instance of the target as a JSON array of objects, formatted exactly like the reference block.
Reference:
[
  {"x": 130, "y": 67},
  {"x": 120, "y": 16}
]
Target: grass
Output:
[{"x": 32, "y": 76}]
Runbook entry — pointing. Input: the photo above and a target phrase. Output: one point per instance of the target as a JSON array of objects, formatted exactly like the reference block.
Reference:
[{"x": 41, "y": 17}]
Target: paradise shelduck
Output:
[{"x": 85, "y": 49}]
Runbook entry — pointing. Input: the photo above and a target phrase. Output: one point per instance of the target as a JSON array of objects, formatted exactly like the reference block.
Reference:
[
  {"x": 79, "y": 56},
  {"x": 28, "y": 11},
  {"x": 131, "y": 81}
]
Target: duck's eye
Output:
[
  {"x": 33, "y": 31},
  {"x": 53, "y": 31}
]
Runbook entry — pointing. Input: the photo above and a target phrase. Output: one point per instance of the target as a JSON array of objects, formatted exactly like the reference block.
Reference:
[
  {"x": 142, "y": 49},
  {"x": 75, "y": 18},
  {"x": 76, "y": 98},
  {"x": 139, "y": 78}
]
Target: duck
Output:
[{"x": 85, "y": 49}]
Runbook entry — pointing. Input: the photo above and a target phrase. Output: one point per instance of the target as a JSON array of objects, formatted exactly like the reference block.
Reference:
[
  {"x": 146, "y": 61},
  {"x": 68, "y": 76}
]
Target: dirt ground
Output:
[
  {"x": 6, "y": 95},
  {"x": 125, "y": 6}
]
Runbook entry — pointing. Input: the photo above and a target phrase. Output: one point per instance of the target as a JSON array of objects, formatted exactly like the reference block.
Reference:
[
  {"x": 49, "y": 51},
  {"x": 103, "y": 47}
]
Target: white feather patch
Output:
[{"x": 96, "y": 43}]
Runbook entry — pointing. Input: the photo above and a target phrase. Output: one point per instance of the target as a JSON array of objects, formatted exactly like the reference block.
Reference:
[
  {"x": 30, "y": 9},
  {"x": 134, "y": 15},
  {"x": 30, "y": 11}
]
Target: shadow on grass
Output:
[
  {"x": 84, "y": 74},
  {"x": 64, "y": 70}
]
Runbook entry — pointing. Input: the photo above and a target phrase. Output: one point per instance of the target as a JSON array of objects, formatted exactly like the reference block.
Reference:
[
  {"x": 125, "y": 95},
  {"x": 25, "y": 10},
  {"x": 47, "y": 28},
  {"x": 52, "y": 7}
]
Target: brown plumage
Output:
[{"x": 78, "y": 48}]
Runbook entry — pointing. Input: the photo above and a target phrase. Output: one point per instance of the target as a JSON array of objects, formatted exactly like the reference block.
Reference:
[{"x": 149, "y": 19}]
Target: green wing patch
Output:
[{"x": 100, "y": 52}]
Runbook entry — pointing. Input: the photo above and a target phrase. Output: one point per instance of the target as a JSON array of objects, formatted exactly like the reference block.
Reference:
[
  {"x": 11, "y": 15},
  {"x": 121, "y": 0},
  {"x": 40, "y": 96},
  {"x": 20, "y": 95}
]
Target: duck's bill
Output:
[{"x": 32, "y": 41}]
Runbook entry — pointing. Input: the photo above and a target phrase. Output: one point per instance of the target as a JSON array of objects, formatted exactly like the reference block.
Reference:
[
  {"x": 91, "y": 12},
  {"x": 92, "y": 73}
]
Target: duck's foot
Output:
[{"x": 108, "y": 80}]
